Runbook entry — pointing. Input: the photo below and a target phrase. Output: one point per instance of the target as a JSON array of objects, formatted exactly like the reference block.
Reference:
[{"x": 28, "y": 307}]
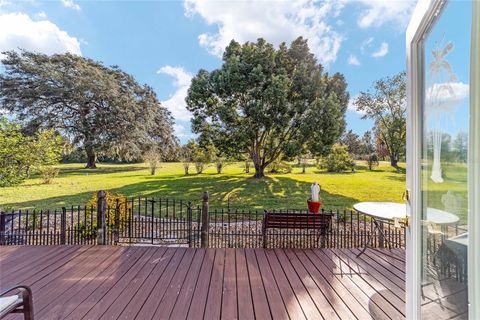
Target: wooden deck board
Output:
[{"x": 115, "y": 282}]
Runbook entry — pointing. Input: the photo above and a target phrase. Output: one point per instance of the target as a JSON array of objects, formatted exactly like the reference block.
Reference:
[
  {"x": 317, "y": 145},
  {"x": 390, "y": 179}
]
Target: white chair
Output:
[{"x": 21, "y": 302}]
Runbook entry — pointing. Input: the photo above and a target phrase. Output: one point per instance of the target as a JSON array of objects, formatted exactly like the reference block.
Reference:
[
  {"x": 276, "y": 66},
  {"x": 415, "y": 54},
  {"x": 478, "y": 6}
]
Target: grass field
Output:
[{"x": 75, "y": 186}]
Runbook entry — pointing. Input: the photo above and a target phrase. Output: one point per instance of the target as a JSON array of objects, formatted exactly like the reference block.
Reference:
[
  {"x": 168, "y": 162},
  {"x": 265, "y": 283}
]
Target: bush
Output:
[
  {"x": 372, "y": 161},
  {"x": 48, "y": 174},
  {"x": 338, "y": 160},
  {"x": 152, "y": 157},
  {"x": 124, "y": 207}
]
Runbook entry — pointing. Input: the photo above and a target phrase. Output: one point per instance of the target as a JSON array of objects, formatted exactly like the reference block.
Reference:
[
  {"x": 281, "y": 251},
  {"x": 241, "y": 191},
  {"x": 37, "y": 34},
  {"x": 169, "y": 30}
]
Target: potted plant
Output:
[{"x": 314, "y": 203}]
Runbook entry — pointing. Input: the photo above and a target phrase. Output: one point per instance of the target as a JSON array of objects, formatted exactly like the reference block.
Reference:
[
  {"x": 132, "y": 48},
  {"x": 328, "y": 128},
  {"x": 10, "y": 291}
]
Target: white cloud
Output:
[
  {"x": 4, "y": 3},
  {"x": 445, "y": 96},
  {"x": 383, "y": 50},
  {"x": 366, "y": 44},
  {"x": 20, "y": 31},
  {"x": 176, "y": 103},
  {"x": 352, "y": 107},
  {"x": 275, "y": 22},
  {"x": 353, "y": 60},
  {"x": 379, "y": 12},
  {"x": 41, "y": 15},
  {"x": 70, "y": 4}
]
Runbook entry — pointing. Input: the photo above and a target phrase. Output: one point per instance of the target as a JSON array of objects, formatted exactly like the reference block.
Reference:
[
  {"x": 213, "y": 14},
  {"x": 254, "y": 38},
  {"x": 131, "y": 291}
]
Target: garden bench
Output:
[{"x": 289, "y": 220}]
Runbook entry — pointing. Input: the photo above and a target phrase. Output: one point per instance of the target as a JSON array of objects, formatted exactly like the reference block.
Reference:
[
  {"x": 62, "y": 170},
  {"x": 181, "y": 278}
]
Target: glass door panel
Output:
[{"x": 444, "y": 163}]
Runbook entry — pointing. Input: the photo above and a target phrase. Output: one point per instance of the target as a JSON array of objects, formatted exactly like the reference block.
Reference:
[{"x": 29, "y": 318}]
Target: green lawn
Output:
[{"x": 75, "y": 185}]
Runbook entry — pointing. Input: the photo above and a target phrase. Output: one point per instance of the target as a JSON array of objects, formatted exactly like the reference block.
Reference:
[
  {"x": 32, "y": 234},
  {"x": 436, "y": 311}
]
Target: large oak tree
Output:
[
  {"x": 102, "y": 109},
  {"x": 267, "y": 102}
]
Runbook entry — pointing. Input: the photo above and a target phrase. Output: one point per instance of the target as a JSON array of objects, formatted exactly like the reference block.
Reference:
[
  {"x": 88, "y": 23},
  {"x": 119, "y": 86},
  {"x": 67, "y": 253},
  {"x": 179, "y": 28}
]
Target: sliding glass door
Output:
[{"x": 441, "y": 168}]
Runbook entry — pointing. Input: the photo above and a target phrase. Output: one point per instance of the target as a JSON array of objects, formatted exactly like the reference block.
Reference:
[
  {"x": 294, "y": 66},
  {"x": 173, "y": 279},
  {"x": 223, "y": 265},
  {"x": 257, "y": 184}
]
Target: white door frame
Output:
[
  {"x": 474, "y": 178},
  {"x": 424, "y": 15}
]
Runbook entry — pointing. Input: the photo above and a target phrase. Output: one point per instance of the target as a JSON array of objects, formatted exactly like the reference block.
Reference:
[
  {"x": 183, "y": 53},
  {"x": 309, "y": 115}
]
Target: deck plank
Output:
[
  {"x": 229, "y": 291},
  {"x": 116, "y": 282},
  {"x": 150, "y": 305},
  {"x": 58, "y": 308},
  {"x": 292, "y": 305},
  {"x": 122, "y": 284},
  {"x": 322, "y": 301},
  {"x": 180, "y": 309},
  {"x": 277, "y": 306},
  {"x": 126, "y": 263},
  {"x": 303, "y": 297},
  {"x": 199, "y": 299},
  {"x": 340, "y": 299},
  {"x": 117, "y": 307},
  {"x": 259, "y": 296},
  {"x": 137, "y": 301},
  {"x": 213, "y": 307},
  {"x": 244, "y": 293},
  {"x": 378, "y": 295},
  {"x": 167, "y": 302}
]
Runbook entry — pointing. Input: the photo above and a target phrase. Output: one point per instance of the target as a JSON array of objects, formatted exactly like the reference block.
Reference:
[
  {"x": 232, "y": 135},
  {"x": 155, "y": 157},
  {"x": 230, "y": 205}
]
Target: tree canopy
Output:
[
  {"x": 267, "y": 102},
  {"x": 387, "y": 106},
  {"x": 102, "y": 109}
]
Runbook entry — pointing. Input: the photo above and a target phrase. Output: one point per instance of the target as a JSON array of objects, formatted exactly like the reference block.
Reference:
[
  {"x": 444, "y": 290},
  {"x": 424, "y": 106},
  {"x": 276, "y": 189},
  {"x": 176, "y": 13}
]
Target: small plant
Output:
[
  {"x": 372, "y": 161},
  {"x": 247, "y": 166},
  {"x": 303, "y": 162},
  {"x": 186, "y": 167},
  {"x": 124, "y": 207},
  {"x": 338, "y": 160},
  {"x": 48, "y": 174},
  {"x": 152, "y": 157}
]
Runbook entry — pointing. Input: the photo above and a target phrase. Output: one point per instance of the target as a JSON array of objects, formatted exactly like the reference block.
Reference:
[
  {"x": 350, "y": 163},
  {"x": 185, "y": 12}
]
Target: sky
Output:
[{"x": 165, "y": 43}]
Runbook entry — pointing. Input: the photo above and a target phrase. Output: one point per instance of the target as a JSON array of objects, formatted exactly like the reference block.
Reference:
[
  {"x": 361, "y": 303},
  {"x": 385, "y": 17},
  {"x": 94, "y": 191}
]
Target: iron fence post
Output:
[
  {"x": 116, "y": 235},
  {"x": 63, "y": 226},
  {"x": 101, "y": 210},
  {"x": 189, "y": 222},
  {"x": 2, "y": 228},
  {"x": 205, "y": 222}
]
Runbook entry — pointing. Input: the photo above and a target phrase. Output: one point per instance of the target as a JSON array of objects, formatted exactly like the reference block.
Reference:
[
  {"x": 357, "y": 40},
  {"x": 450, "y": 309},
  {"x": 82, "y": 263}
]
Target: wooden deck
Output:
[{"x": 115, "y": 282}]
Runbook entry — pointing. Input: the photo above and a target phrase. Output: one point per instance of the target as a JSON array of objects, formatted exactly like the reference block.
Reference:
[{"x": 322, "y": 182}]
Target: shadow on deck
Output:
[{"x": 115, "y": 282}]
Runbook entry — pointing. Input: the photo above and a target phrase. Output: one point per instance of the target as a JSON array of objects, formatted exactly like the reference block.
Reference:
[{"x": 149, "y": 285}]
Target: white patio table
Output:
[{"x": 388, "y": 211}]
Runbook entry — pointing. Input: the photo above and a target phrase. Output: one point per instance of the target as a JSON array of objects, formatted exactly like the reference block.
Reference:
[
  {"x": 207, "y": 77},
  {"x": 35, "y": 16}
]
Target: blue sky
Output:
[{"x": 164, "y": 43}]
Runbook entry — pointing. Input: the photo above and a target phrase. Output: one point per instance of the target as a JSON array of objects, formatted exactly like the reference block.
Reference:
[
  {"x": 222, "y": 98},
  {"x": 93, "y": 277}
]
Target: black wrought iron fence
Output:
[
  {"x": 165, "y": 221},
  {"x": 347, "y": 229}
]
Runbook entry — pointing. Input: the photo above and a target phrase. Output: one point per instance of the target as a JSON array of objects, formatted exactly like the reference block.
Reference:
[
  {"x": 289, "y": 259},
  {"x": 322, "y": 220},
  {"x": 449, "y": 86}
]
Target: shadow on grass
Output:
[
  {"x": 242, "y": 193},
  {"x": 100, "y": 170}
]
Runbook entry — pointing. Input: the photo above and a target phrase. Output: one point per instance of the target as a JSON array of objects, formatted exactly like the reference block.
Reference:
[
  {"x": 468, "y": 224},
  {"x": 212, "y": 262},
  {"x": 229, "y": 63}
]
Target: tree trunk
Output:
[
  {"x": 91, "y": 158},
  {"x": 259, "y": 172},
  {"x": 394, "y": 160}
]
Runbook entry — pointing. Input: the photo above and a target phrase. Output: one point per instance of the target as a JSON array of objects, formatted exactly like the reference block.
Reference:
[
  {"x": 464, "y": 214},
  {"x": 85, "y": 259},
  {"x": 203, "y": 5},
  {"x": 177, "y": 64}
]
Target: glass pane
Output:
[{"x": 444, "y": 164}]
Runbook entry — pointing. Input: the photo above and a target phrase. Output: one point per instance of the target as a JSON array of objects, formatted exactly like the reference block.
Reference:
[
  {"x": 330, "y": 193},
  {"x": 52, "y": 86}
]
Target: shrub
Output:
[
  {"x": 338, "y": 160},
  {"x": 152, "y": 157},
  {"x": 48, "y": 174},
  {"x": 372, "y": 161},
  {"x": 124, "y": 207}
]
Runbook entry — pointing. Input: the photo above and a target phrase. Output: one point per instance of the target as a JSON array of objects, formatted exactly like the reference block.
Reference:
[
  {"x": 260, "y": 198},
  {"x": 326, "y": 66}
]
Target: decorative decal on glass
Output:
[{"x": 443, "y": 95}]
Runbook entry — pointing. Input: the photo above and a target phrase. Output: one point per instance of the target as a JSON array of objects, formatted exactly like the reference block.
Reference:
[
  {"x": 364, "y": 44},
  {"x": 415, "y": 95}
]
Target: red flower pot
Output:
[{"x": 313, "y": 206}]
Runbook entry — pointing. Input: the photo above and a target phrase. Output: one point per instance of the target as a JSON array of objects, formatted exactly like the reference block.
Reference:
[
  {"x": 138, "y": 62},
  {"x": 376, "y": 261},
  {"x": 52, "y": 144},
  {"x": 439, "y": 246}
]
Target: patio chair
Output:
[{"x": 21, "y": 302}]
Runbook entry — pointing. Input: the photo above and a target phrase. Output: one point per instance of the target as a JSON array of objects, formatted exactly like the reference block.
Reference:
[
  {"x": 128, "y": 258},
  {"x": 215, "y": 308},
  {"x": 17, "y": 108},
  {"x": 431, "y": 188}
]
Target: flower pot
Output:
[{"x": 313, "y": 206}]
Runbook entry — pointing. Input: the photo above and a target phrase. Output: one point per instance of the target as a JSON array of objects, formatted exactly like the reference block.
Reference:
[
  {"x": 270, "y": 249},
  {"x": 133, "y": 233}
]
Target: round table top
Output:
[{"x": 392, "y": 210}]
